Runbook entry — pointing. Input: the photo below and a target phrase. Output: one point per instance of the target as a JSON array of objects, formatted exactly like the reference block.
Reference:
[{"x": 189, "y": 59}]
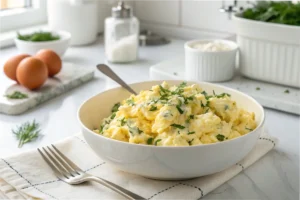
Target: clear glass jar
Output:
[{"x": 121, "y": 35}]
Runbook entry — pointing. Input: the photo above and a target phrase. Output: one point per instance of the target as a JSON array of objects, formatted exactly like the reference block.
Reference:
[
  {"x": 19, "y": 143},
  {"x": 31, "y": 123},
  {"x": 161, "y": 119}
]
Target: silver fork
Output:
[{"x": 70, "y": 173}]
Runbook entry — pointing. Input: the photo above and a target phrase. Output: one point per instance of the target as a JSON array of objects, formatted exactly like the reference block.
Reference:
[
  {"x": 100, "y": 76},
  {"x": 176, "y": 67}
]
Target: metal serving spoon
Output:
[{"x": 108, "y": 72}]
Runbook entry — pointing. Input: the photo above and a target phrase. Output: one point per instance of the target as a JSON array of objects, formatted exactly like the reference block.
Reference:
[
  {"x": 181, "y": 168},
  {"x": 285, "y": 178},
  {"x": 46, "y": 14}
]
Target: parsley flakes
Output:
[
  {"x": 220, "y": 137},
  {"x": 179, "y": 109},
  {"x": 157, "y": 141},
  {"x": 177, "y": 126},
  {"x": 115, "y": 108},
  {"x": 150, "y": 140},
  {"x": 153, "y": 108},
  {"x": 130, "y": 102},
  {"x": 190, "y": 133}
]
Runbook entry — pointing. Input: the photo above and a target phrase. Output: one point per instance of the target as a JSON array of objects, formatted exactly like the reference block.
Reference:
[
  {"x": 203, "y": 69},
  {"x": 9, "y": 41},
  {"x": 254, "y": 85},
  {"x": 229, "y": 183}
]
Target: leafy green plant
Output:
[
  {"x": 281, "y": 12},
  {"x": 40, "y": 36}
]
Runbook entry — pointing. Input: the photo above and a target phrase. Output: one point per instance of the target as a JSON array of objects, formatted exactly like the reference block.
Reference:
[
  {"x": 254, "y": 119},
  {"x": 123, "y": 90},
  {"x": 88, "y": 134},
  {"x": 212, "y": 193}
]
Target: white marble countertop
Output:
[{"x": 275, "y": 176}]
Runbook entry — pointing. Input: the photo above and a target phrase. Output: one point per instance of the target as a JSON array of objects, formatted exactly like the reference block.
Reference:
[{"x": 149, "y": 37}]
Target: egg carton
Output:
[
  {"x": 270, "y": 95},
  {"x": 69, "y": 77}
]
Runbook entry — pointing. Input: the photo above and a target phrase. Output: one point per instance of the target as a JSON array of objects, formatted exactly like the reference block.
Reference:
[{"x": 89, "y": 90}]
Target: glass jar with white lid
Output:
[{"x": 121, "y": 35}]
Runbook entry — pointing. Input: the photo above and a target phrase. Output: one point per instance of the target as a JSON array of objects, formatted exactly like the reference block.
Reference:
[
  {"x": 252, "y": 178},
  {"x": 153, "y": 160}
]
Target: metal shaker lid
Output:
[{"x": 121, "y": 11}]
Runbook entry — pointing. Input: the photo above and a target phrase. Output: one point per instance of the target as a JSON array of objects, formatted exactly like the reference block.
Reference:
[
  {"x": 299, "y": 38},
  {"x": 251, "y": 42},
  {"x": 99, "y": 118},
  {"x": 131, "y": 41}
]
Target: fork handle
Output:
[{"x": 116, "y": 188}]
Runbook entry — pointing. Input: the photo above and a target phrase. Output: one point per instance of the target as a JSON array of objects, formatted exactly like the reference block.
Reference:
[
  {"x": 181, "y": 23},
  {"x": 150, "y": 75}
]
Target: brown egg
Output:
[
  {"x": 32, "y": 73},
  {"x": 10, "y": 67},
  {"x": 51, "y": 59}
]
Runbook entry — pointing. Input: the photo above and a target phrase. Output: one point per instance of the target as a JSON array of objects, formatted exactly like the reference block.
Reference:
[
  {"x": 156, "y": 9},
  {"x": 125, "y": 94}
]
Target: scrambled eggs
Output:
[{"x": 177, "y": 116}]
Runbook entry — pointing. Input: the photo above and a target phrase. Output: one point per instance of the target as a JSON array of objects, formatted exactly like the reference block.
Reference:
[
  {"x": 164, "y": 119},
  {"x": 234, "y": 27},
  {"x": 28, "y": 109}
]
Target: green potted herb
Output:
[{"x": 268, "y": 37}]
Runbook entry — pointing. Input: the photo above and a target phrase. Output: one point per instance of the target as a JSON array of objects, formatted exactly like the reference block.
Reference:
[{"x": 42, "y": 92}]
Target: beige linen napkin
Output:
[{"x": 26, "y": 176}]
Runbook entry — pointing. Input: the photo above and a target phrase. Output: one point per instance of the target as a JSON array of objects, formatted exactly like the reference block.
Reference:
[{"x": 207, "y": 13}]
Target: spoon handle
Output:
[{"x": 108, "y": 72}]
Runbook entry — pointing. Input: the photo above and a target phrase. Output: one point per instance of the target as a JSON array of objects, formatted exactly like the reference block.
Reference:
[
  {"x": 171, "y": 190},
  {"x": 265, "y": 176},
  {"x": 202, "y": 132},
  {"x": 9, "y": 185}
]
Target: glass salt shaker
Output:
[{"x": 121, "y": 35}]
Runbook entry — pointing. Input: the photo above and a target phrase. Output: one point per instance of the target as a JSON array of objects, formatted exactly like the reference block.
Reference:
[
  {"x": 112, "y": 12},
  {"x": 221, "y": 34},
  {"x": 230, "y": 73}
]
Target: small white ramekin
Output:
[{"x": 209, "y": 66}]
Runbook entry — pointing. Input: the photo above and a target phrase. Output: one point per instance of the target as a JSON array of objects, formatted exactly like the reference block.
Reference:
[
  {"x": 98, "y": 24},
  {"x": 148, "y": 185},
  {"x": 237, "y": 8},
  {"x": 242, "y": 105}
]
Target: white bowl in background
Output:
[
  {"x": 59, "y": 46},
  {"x": 168, "y": 163},
  {"x": 269, "y": 51},
  {"x": 210, "y": 66}
]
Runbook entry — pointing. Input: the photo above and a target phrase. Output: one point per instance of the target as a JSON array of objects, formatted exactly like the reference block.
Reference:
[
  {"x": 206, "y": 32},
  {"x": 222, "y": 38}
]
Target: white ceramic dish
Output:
[
  {"x": 210, "y": 66},
  {"x": 268, "y": 51},
  {"x": 59, "y": 46},
  {"x": 168, "y": 163}
]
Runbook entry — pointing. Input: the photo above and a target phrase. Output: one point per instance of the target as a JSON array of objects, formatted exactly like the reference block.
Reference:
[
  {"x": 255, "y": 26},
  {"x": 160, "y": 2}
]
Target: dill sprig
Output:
[{"x": 27, "y": 132}]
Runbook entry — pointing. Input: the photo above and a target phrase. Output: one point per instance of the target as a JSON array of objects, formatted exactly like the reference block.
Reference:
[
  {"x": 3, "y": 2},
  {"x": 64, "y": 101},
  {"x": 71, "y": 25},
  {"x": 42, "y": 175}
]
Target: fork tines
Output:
[{"x": 63, "y": 167}]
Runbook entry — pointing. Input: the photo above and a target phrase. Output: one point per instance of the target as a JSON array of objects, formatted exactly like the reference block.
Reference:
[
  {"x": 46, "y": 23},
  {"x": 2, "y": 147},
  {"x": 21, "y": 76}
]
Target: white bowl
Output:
[
  {"x": 59, "y": 46},
  {"x": 269, "y": 51},
  {"x": 209, "y": 66},
  {"x": 168, "y": 163}
]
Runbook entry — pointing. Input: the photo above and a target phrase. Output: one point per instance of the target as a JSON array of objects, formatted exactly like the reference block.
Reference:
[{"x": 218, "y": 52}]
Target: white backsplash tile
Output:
[
  {"x": 205, "y": 15},
  {"x": 165, "y": 12}
]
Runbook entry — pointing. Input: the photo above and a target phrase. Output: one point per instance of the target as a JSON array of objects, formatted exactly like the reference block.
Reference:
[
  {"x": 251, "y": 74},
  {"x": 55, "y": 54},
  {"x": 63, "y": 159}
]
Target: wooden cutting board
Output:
[{"x": 69, "y": 77}]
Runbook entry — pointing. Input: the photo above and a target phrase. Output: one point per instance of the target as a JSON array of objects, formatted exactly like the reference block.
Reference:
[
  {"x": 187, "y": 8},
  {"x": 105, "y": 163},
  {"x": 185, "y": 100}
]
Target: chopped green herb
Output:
[
  {"x": 179, "y": 90},
  {"x": 202, "y": 105},
  {"x": 153, "y": 108},
  {"x": 193, "y": 132},
  {"x": 178, "y": 132},
  {"x": 187, "y": 99},
  {"x": 183, "y": 84},
  {"x": 130, "y": 102},
  {"x": 163, "y": 97},
  {"x": 206, "y": 111},
  {"x": 115, "y": 108},
  {"x": 223, "y": 95},
  {"x": 179, "y": 109},
  {"x": 214, "y": 93},
  {"x": 207, "y": 103},
  {"x": 123, "y": 121},
  {"x": 17, "y": 95},
  {"x": 220, "y": 137},
  {"x": 113, "y": 116},
  {"x": 157, "y": 141},
  {"x": 226, "y": 107},
  {"x": 207, "y": 97},
  {"x": 189, "y": 119},
  {"x": 101, "y": 129},
  {"x": 257, "y": 88},
  {"x": 134, "y": 130},
  {"x": 190, "y": 142},
  {"x": 204, "y": 93},
  {"x": 164, "y": 90},
  {"x": 178, "y": 126},
  {"x": 249, "y": 129},
  {"x": 27, "y": 132},
  {"x": 286, "y": 91},
  {"x": 150, "y": 140}
]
